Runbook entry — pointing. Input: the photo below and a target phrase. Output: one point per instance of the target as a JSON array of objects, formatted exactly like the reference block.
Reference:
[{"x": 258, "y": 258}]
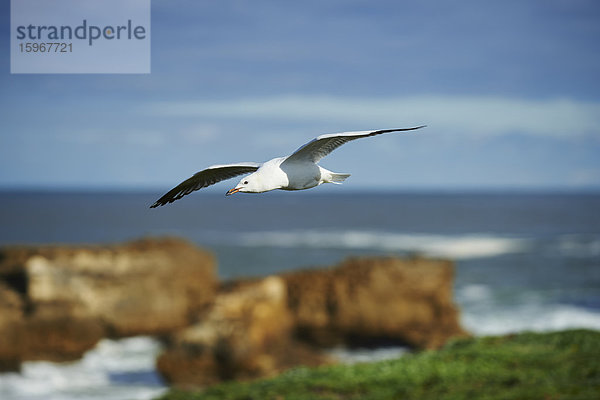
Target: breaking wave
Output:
[
  {"x": 579, "y": 245},
  {"x": 529, "y": 317},
  {"x": 451, "y": 246},
  {"x": 113, "y": 370},
  {"x": 484, "y": 313}
]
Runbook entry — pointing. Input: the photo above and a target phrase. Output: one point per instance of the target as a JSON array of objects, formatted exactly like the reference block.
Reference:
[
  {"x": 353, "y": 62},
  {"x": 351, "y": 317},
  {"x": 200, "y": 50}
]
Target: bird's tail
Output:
[{"x": 338, "y": 178}]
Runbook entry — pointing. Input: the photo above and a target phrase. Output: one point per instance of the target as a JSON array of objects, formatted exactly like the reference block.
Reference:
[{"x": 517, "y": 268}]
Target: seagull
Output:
[{"x": 298, "y": 171}]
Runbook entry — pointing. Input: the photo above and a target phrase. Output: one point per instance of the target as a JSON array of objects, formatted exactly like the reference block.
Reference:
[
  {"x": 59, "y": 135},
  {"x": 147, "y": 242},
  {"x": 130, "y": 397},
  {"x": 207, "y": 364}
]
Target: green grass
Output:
[{"x": 560, "y": 365}]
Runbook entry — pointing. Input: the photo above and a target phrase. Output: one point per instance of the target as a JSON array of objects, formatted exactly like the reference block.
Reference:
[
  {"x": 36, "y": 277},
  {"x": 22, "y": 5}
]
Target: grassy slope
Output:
[{"x": 560, "y": 365}]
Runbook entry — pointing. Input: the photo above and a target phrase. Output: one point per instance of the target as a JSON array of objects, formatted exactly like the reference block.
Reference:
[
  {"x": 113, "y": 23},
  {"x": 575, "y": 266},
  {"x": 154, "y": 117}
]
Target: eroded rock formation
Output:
[
  {"x": 260, "y": 327},
  {"x": 58, "y": 301},
  {"x": 247, "y": 333},
  {"x": 372, "y": 299}
]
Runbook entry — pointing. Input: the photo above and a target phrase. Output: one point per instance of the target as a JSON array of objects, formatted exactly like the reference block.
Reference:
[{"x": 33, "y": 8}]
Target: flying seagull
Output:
[{"x": 295, "y": 172}]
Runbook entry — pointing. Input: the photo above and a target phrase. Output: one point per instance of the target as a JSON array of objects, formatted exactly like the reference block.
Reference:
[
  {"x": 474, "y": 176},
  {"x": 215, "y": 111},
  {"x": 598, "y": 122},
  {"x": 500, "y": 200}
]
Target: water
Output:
[
  {"x": 121, "y": 369},
  {"x": 523, "y": 261}
]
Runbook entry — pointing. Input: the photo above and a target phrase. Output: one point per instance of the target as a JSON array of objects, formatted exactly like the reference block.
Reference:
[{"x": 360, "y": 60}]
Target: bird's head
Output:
[{"x": 248, "y": 184}]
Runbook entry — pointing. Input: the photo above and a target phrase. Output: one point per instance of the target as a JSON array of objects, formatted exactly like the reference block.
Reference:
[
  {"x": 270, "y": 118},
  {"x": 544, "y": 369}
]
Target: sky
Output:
[{"x": 509, "y": 91}]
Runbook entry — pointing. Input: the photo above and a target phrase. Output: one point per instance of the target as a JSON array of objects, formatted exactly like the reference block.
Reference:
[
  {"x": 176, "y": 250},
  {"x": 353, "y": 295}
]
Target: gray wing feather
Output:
[
  {"x": 322, "y": 145},
  {"x": 204, "y": 178}
]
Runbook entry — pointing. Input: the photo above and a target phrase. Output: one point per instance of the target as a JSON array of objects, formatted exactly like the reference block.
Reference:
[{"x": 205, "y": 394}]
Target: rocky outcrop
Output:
[
  {"x": 58, "y": 301},
  {"x": 11, "y": 316},
  {"x": 260, "y": 327},
  {"x": 245, "y": 334},
  {"x": 50, "y": 331},
  {"x": 365, "y": 301}
]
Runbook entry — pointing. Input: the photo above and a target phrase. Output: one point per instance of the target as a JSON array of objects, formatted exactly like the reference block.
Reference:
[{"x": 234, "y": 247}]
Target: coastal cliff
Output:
[
  {"x": 363, "y": 300},
  {"x": 56, "y": 302}
]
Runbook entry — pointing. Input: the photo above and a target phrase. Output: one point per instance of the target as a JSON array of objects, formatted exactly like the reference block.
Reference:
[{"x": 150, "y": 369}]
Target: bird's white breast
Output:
[{"x": 271, "y": 176}]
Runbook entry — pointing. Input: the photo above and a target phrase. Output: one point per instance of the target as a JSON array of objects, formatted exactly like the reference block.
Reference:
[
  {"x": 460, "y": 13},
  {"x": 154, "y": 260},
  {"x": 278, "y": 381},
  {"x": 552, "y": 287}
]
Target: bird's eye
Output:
[{"x": 245, "y": 182}]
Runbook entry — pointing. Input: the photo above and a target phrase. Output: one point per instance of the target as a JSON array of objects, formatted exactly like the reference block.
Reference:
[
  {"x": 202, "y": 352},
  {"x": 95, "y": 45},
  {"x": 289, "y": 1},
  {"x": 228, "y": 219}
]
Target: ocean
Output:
[{"x": 524, "y": 261}]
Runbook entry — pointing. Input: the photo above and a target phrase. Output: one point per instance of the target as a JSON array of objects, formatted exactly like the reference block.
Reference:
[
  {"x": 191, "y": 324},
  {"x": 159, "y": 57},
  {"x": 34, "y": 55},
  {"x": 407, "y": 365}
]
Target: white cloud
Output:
[
  {"x": 99, "y": 137},
  {"x": 585, "y": 177},
  {"x": 457, "y": 114},
  {"x": 188, "y": 134}
]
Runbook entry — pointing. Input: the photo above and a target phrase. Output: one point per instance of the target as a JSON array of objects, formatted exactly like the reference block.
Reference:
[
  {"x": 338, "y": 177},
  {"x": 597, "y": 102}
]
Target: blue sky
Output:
[{"x": 510, "y": 92}]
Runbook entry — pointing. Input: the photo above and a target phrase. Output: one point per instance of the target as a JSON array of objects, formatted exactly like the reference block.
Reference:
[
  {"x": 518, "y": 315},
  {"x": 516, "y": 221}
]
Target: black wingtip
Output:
[
  {"x": 398, "y": 130},
  {"x": 414, "y": 129},
  {"x": 162, "y": 202}
]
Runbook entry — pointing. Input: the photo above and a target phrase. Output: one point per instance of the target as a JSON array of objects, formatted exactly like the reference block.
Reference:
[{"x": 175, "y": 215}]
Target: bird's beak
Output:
[{"x": 232, "y": 191}]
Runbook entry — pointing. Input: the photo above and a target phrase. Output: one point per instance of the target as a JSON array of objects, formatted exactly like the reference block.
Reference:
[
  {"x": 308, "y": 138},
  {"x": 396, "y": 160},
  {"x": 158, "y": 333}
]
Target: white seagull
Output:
[{"x": 297, "y": 171}]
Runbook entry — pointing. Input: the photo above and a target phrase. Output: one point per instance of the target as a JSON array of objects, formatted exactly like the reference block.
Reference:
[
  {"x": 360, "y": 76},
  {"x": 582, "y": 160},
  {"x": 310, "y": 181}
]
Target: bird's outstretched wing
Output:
[
  {"x": 322, "y": 145},
  {"x": 204, "y": 178}
]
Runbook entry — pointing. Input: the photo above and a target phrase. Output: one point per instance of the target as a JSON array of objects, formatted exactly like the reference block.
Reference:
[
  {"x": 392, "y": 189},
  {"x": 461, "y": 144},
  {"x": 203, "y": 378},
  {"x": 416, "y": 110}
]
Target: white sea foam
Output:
[
  {"x": 113, "y": 370},
  {"x": 579, "y": 245},
  {"x": 452, "y": 246},
  {"x": 529, "y": 317},
  {"x": 473, "y": 293},
  {"x": 483, "y": 313},
  {"x": 353, "y": 356}
]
